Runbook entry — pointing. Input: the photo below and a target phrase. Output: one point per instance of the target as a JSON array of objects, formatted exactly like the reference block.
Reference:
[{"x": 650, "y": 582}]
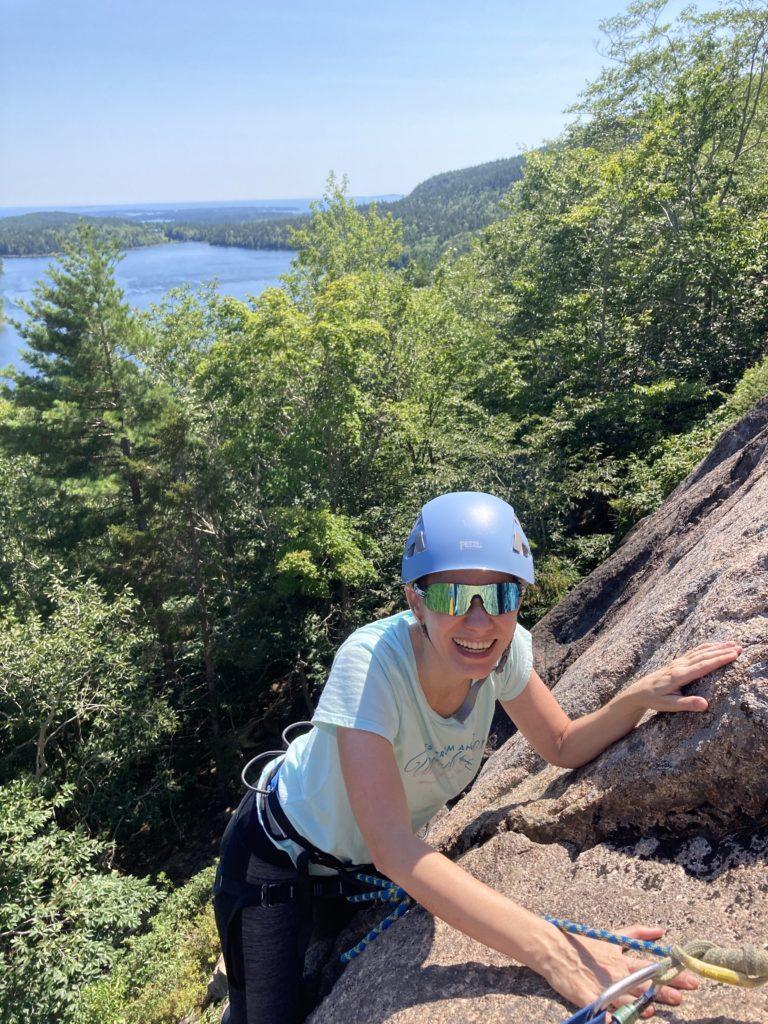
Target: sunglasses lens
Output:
[
  {"x": 510, "y": 597},
  {"x": 456, "y": 598},
  {"x": 440, "y": 597}
]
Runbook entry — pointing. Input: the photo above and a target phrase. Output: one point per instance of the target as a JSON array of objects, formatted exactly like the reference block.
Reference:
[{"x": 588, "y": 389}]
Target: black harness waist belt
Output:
[
  {"x": 230, "y": 879},
  {"x": 316, "y": 855},
  {"x": 273, "y": 894}
]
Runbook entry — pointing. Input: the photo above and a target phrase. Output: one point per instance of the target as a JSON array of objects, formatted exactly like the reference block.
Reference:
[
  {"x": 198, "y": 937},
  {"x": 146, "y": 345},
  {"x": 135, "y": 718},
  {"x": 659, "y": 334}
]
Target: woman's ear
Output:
[{"x": 414, "y": 602}]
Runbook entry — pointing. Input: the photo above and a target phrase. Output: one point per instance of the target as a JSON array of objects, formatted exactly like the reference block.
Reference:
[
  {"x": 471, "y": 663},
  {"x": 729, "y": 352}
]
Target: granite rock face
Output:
[
  {"x": 694, "y": 571},
  {"x": 663, "y": 829},
  {"x": 423, "y": 972}
]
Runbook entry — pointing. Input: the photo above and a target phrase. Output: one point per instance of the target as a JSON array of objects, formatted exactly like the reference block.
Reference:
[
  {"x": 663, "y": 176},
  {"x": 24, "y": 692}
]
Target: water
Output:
[{"x": 146, "y": 274}]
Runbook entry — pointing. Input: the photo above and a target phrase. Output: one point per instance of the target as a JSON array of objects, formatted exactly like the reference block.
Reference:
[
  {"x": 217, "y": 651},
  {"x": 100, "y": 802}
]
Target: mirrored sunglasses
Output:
[{"x": 456, "y": 598}]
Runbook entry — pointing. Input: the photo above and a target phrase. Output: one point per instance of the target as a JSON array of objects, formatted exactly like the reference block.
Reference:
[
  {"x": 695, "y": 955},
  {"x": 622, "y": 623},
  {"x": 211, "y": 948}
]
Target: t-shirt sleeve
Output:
[
  {"x": 512, "y": 680},
  {"x": 358, "y": 693}
]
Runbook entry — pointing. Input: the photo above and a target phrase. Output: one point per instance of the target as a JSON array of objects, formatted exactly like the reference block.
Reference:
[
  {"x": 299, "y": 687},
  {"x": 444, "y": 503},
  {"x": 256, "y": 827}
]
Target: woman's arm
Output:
[
  {"x": 578, "y": 969},
  {"x": 571, "y": 743}
]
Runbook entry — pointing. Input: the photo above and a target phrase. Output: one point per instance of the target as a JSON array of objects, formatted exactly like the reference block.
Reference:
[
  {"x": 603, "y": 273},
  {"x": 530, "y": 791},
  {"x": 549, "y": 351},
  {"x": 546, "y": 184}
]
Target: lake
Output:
[{"x": 146, "y": 274}]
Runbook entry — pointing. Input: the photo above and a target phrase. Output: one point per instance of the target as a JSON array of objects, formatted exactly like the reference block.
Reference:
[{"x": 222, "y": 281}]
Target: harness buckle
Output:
[{"x": 268, "y": 888}]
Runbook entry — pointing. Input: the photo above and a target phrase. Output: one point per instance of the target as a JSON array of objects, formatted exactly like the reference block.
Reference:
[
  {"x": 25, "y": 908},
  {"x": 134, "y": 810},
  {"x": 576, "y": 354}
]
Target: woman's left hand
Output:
[
  {"x": 609, "y": 964},
  {"x": 660, "y": 690}
]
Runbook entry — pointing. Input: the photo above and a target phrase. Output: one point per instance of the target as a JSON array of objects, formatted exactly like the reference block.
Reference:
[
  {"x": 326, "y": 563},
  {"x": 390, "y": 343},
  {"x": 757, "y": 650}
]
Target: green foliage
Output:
[
  {"x": 46, "y": 234},
  {"x": 25, "y": 510},
  {"x": 339, "y": 239},
  {"x": 320, "y": 550},
  {"x": 162, "y": 974},
  {"x": 649, "y": 480},
  {"x": 752, "y": 387},
  {"x": 63, "y": 914},
  {"x": 78, "y": 706}
]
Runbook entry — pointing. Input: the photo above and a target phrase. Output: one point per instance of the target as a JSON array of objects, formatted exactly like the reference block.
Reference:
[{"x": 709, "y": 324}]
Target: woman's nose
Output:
[{"x": 476, "y": 610}]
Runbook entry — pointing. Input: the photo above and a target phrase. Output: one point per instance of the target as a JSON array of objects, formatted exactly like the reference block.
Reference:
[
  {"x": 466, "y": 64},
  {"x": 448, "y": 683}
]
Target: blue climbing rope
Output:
[
  {"x": 639, "y": 945},
  {"x": 383, "y": 891}
]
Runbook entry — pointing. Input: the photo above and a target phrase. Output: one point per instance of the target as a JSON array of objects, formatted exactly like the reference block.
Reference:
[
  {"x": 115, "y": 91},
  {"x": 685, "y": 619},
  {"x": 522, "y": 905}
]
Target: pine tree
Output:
[{"x": 89, "y": 417}]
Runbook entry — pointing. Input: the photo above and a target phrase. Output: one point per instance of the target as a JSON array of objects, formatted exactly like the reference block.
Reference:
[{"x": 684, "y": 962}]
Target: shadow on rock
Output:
[{"x": 432, "y": 986}]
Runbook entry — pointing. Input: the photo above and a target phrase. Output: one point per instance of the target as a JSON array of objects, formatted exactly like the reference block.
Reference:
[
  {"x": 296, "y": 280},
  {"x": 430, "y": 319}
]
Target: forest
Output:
[
  {"x": 200, "y": 502},
  {"x": 441, "y": 213},
  {"x": 44, "y": 234}
]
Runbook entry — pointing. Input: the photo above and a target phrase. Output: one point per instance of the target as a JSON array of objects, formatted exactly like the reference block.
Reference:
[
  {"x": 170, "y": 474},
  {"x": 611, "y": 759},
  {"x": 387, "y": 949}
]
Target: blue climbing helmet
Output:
[{"x": 467, "y": 530}]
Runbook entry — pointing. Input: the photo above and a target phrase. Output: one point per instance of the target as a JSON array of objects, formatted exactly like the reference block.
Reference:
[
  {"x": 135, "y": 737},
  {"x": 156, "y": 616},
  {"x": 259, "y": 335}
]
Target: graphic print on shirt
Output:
[{"x": 431, "y": 763}]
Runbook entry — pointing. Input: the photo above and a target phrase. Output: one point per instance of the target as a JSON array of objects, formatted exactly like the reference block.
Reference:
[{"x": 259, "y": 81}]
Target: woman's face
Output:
[{"x": 470, "y": 645}]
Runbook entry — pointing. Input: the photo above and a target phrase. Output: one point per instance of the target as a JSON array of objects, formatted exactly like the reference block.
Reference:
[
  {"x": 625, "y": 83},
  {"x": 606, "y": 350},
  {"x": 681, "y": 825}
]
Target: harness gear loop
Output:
[{"x": 254, "y": 760}]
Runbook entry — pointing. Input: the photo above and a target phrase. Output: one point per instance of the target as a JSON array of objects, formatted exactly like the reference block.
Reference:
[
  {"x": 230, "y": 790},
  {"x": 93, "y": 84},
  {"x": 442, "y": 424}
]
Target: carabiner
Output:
[{"x": 599, "y": 1008}]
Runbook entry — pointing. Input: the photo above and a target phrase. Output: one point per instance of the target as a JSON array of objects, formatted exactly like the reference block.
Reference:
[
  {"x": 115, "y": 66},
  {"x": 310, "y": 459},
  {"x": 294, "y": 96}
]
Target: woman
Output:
[{"x": 400, "y": 729}]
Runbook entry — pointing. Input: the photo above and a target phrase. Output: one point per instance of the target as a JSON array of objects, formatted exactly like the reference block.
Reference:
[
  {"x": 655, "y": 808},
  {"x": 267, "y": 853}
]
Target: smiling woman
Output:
[{"x": 400, "y": 730}]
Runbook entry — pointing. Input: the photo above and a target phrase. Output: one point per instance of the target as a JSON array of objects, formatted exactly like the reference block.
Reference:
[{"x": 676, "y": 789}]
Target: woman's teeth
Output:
[{"x": 474, "y": 645}]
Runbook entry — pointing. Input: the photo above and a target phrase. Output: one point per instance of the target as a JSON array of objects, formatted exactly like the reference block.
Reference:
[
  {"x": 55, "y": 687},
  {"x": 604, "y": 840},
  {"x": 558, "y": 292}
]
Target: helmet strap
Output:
[{"x": 499, "y": 667}]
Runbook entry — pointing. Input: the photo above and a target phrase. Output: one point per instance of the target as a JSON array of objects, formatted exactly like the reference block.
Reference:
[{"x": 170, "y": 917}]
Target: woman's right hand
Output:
[{"x": 580, "y": 969}]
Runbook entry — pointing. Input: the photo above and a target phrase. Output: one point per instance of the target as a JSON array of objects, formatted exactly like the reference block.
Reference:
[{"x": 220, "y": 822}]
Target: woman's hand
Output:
[
  {"x": 660, "y": 690},
  {"x": 582, "y": 968}
]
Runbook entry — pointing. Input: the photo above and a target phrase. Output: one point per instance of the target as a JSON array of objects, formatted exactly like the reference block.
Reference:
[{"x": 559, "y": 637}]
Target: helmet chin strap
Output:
[{"x": 499, "y": 666}]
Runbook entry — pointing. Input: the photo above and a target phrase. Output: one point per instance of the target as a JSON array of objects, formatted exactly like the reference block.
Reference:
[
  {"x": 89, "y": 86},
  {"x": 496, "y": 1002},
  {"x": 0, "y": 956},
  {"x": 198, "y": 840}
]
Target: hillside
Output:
[
  {"x": 441, "y": 212},
  {"x": 42, "y": 234},
  {"x": 449, "y": 207}
]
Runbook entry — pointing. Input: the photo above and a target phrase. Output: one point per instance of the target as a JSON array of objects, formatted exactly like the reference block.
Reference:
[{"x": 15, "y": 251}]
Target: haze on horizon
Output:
[{"x": 183, "y": 101}]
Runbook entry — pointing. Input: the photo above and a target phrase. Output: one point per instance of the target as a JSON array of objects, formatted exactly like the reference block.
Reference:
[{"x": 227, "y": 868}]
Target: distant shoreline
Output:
[{"x": 152, "y": 245}]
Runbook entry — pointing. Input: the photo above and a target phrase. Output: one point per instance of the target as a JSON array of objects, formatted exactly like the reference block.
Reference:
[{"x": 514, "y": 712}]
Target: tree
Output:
[
  {"x": 339, "y": 240},
  {"x": 62, "y": 914},
  {"x": 80, "y": 708},
  {"x": 86, "y": 412}
]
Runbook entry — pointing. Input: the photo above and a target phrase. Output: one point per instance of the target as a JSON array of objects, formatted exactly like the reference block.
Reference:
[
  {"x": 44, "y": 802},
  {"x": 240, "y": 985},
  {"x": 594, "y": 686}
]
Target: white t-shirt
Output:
[{"x": 374, "y": 686}]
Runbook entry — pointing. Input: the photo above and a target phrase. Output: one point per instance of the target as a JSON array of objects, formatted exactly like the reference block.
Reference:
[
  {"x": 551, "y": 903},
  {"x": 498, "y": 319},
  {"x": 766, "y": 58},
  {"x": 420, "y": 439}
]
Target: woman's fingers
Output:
[
  {"x": 687, "y": 669},
  {"x": 713, "y": 644},
  {"x": 719, "y": 654},
  {"x": 677, "y": 703},
  {"x": 712, "y": 653},
  {"x": 709, "y": 651},
  {"x": 641, "y": 931}
]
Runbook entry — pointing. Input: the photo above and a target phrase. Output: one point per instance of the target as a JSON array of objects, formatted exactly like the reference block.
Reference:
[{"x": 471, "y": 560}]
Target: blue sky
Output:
[{"x": 138, "y": 101}]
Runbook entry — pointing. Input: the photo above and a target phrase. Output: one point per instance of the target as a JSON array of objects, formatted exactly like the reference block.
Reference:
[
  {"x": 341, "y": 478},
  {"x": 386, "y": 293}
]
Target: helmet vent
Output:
[{"x": 418, "y": 541}]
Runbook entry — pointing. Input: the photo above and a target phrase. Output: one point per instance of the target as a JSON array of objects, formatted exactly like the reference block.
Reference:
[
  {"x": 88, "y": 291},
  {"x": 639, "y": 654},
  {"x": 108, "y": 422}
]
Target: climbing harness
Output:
[
  {"x": 745, "y": 966},
  {"x": 353, "y": 882}
]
